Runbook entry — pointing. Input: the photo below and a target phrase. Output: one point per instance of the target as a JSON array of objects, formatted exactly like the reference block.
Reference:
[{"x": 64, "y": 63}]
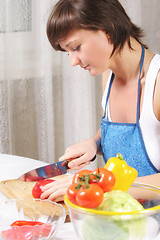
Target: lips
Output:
[{"x": 86, "y": 67}]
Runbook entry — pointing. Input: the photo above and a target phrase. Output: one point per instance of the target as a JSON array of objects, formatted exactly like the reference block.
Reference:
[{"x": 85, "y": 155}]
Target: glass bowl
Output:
[
  {"x": 92, "y": 224},
  {"x": 29, "y": 209}
]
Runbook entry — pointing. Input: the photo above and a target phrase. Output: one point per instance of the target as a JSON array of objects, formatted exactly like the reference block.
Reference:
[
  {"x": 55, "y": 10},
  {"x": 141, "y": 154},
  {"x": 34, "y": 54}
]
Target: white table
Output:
[{"x": 12, "y": 167}]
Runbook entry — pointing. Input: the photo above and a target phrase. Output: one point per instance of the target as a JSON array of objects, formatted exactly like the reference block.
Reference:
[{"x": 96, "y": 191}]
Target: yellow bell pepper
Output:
[{"x": 124, "y": 174}]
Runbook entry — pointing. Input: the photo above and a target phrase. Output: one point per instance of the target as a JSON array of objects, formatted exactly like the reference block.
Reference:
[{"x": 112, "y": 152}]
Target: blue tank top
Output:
[{"x": 126, "y": 138}]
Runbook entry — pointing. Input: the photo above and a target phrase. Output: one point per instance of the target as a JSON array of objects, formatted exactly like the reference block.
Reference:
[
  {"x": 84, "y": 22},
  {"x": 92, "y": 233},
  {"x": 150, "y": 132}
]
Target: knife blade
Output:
[{"x": 48, "y": 171}]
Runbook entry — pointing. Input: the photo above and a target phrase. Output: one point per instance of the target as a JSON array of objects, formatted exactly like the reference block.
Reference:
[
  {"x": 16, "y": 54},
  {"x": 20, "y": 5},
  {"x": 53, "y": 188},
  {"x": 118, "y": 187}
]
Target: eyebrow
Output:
[{"x": 69, "y": 43}]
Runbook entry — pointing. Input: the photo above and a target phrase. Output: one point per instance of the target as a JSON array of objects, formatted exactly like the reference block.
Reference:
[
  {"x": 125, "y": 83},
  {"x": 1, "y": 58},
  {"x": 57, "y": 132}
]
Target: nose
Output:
[{"x": 74, "y": 59}]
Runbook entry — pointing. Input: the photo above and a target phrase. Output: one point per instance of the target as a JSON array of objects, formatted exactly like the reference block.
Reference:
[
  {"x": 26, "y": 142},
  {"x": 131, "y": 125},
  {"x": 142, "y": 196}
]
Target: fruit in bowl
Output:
[{"x": 30, "y": 219}]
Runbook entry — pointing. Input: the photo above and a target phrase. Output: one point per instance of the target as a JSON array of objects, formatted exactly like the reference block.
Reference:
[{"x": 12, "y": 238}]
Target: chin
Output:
[{"x": 94, "y": 73}]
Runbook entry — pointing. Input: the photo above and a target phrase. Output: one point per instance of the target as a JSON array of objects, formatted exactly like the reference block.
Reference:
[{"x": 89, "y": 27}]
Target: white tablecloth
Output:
[{"x": 12, "y": 167}]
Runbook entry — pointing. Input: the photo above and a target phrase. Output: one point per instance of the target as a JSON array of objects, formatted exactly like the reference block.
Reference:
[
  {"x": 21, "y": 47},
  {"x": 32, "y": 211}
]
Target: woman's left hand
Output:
[{"x": 56, "y": 190}]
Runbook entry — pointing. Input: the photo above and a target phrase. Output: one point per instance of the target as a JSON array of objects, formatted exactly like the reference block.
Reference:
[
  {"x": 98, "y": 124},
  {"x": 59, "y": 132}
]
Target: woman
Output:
[{"x": 99, "y": 36}]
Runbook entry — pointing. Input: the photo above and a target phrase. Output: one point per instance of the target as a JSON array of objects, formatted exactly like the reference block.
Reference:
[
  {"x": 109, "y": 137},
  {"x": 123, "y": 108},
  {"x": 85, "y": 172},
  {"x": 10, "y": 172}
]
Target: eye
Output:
[{"x": 77, "y": 48}]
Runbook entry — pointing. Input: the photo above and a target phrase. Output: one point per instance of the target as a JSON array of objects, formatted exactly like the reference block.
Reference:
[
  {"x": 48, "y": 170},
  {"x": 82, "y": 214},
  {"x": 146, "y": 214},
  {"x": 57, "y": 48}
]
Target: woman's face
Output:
[{"x": 89, "y": 49}]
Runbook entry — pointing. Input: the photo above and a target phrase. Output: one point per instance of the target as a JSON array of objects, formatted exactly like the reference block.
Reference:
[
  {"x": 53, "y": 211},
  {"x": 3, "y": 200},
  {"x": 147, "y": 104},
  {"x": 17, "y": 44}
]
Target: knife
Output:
[{"x": 48, "y": 171}]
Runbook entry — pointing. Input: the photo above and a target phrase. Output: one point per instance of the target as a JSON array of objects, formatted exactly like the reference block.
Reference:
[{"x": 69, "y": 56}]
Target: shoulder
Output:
[{"x": 105, "y": 76}]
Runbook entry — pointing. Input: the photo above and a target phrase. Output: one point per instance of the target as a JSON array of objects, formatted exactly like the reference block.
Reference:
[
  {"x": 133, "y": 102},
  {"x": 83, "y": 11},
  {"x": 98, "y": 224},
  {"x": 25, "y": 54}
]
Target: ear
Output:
[{"x": 107, "y": 36}]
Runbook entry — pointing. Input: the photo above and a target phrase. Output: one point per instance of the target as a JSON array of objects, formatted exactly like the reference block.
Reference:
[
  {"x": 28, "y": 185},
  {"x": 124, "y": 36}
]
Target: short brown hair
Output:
[{"x": 107, "y": 15}]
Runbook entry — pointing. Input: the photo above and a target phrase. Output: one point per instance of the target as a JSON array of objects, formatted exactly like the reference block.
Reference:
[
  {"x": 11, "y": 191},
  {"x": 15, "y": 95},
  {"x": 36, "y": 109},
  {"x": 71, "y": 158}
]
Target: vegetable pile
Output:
[
  {"x": 88, "y": 187},
  {"x": 105, "y": 189}
]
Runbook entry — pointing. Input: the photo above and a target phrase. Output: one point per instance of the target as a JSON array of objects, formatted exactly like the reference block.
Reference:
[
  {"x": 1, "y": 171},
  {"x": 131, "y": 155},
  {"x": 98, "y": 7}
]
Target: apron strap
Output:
[
  {"x": 110, "y": 84},
  {"x": 111, "y": 81},
  {"x": 141, "y": 65}
]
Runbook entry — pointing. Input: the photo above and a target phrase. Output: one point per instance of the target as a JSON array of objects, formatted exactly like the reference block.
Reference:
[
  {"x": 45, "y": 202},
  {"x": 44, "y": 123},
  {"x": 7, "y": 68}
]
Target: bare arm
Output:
[
  {"x": 147, "y": 192},
  {"x": 81, "y": 153},
  {"x": 151, "y": 179}
]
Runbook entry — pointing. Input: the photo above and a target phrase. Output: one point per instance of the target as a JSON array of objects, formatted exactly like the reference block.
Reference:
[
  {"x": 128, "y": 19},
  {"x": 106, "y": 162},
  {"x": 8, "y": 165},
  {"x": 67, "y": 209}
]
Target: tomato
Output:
[
  {"x": 77, "y": 177},
  {"x": 106, "y": 180},
  {"x": 38, "y": 187},
  {"x": 88, "y": 187},
  {"x": 72, "y": 192},
  {"x": 90, "y": 197}
]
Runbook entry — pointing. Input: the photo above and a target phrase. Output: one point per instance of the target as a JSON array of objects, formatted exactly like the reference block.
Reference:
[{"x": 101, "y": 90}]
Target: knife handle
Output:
[{"x": 67, "y": 161}]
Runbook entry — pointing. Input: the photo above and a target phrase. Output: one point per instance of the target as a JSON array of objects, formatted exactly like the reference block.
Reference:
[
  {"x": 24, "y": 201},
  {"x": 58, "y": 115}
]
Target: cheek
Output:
[
  {"x": 99, "y": 55},
  {"x": 99, "y": 61}
]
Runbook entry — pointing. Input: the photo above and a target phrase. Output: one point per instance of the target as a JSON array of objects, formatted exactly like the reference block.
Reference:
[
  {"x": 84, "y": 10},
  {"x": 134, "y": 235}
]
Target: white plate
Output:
[{"x": 13, "y": 166}]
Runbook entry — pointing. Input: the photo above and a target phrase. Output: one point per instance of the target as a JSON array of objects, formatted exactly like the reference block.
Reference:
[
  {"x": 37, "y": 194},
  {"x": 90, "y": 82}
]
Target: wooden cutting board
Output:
[{"x": 16, "y": 189}]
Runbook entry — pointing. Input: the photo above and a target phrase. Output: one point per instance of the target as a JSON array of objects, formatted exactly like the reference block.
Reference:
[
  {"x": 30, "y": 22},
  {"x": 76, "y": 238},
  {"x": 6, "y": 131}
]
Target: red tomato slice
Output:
[
  {"x": 38, "y": 187},
  {"x": 107, "y": 179},
  {"x": 77, "y": 177},
  {"x": 20, "y": 223},
  {"x": 90, "y": 197}
]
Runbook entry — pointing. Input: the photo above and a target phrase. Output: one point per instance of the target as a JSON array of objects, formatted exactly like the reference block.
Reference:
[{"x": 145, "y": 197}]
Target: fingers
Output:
[
  {"x": 80, "y": 162},
  {"x": 73, "y": 159},
  {"x": 76, "y": 162},
  {"x": 73, "y": 165},
  {"x": 80, "y": 153},
  {"x": 58, "y": 196},
  {"x": 55, "y": 191},
  {"x": 70, "y": 156},
  {"x": 73, "y": 152}
]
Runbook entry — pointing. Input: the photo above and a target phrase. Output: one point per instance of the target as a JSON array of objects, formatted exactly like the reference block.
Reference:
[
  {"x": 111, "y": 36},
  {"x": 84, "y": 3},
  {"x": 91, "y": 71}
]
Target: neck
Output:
[{"x": 126, "y": 64}]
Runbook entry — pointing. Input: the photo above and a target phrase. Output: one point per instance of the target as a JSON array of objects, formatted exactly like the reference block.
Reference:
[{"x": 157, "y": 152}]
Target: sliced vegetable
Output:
[
  {"x": 27, "y": 232},
  {"x": 20, "y": 223},
  {"x": 124, "y": 174},
  {"x": 37, "y": 190}
]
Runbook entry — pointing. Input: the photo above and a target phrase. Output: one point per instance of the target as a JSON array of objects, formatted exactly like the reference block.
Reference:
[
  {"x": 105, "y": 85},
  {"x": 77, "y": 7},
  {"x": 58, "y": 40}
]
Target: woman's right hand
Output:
[{"x": 81, "y": 153}]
